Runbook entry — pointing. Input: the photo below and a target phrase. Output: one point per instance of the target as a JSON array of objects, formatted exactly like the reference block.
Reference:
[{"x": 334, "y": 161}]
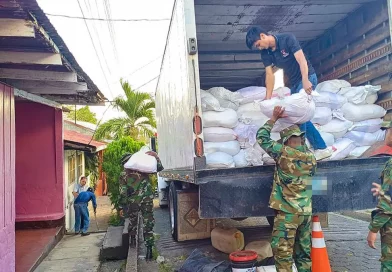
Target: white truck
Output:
[{"x": 346, "y": 39}]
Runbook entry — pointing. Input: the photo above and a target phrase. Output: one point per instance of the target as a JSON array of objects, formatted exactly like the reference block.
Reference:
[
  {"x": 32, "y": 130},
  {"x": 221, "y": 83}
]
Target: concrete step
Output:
[
  {"x": 114, "y": 247},
  {"x": 125, "y": 234}
]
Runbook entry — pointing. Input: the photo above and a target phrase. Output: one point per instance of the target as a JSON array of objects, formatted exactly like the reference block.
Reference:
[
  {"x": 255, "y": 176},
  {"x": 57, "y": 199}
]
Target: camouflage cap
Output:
[
  {"x": 290, "y": 131},
  {"x": 386, "y": 125},
  {"x": 125, "y": 158}
]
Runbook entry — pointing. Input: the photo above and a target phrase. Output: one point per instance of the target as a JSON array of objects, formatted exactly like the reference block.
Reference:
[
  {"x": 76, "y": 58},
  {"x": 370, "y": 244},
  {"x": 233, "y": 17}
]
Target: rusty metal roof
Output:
[
  {"x": 46, "y": 40},
  {"x": 224, "y": 59}
]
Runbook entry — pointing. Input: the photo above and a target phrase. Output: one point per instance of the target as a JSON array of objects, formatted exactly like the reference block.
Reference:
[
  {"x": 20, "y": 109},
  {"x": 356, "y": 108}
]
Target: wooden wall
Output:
[
  {"x": 7, "y": 179},
  {"x": 358, "y": 49}
]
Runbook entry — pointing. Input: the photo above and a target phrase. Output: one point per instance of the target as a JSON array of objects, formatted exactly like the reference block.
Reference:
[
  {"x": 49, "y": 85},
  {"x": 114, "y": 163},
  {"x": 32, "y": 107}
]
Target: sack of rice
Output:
[
  {"x": 231, "y": 147},
  {"x": 358, "y": 113},
  {"x": 218, "y": 134},
  {"x": 219, "y": 160},
  {"x": 227, "y": 118},
  {"x": 209, "y": 102}
]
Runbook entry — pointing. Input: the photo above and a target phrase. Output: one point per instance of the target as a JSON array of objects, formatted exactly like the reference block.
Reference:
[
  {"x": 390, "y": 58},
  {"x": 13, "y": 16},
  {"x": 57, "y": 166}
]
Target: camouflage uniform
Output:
[
  {"x": 382, "y": 216},
  {"x": 290, "y": 198},
  {"x": 137, "y": 194}
]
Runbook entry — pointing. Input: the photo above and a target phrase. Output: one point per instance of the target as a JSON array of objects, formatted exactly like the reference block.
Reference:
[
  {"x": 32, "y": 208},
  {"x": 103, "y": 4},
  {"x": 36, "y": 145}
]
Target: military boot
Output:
[
  {"x": 149, "y": 253},
  {"x": 132, "y": 242}
]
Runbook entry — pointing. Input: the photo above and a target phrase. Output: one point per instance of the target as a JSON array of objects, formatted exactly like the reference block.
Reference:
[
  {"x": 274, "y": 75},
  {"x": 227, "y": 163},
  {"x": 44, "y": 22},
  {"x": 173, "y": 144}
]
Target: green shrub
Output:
[{"x": 112, "y": 164}]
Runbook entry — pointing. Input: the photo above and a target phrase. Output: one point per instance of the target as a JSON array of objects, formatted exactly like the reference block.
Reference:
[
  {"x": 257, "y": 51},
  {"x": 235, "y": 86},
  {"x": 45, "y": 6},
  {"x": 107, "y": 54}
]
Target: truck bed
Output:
[{"x": 228, "y": 193}]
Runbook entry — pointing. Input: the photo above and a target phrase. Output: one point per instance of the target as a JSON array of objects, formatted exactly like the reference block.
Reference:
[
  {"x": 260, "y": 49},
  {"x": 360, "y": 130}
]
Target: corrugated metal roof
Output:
[{"x": 30, "y": 10}]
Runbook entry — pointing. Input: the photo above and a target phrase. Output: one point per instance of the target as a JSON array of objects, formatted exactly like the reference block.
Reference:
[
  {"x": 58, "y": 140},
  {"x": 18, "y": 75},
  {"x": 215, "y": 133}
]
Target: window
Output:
[
  {"x": 71, "y": 169},
  {"x": 80, "y": 164}
]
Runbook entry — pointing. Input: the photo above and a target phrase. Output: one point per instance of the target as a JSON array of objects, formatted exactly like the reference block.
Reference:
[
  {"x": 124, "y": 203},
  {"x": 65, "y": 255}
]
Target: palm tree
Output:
[{"x": 139, "y": 122}]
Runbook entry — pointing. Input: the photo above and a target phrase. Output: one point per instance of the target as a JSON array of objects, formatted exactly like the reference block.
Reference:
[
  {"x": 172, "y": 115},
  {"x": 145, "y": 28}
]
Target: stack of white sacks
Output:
[{"x": 347, "y": 118}]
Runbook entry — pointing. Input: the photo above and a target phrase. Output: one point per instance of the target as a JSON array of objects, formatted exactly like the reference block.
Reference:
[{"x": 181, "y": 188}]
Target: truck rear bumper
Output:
[{"x": 245, "y": 192}]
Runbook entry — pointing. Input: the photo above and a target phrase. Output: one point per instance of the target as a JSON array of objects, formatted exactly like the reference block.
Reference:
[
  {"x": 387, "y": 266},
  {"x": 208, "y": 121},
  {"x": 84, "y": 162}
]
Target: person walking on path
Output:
[
  {"x": 382, "y": 216},
  {"x": 81, "y": 211},
  {"x": 79, "y": 187},
  {"x": 285, "y": 52},
  {"x": 137, "y": 194},
  {"x": 291, "y": 197}
]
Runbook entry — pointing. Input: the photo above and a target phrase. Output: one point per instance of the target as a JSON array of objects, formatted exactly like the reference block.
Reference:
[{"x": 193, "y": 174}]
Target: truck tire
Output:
[
  {"x": 173, "y": 208},
  {"x": 270, "y": 220}
]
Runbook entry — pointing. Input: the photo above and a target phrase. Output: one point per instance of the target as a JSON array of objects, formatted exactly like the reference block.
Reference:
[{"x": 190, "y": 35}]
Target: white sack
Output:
[
  {"x": 142, "y": 162},
  {"x": 299, "y": 107},
  {"x": 227, "y": 118},
  {"x": 252, "y": 93},
  {"x": 267, "y": 159},
  {"x": 279, "y": 126},
  {"x": 259, "y": 149},
  {"x": 332, "y": 86},
  {"x": 244, "y": 143},
  {"x": 275, "y": 136},
  {"x": 254, "y": 156},
  {"x": 357, "y": 113},
  {"x": 322, "y": 116},
  {"x": 257, "y": 119},
  {"x": 358, "y": 151},
  {"x": 218, "y": 134},
  {"x": 227, "y": 99},
  {"x": 358, "y": 95},
  {"x": 336, "y": 127},
  {"x": 240, "y": 160},
  {"x": 330, "y": 100},
  {"x": 209, "y": 102},
  {"x": 281, "y": 92},
  {"x": 341, "y": 149},
  {"x": 371, "y": 99},
  {"x": 328, "y": 138},
  {"x": 365, "y": 139},
  {"x": 232, "y": 147},
  {"x": 246, "y": 132},
  {"x": 248, "y": 107},
  {"x": 369, "y": 126},
  {"x": 219, "y": 160}
]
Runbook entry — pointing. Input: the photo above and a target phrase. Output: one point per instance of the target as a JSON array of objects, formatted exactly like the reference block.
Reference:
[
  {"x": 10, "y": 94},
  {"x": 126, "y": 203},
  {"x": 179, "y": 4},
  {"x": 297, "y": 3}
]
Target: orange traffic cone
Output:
[{"x": 319, "y": 254}]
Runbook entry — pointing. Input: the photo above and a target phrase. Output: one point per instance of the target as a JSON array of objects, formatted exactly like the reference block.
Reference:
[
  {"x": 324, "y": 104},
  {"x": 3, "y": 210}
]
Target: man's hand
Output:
[
  {"x": 376, "y": 189},
  {"x": 121, "y": 213},
  {"x": 308, "y": 87},
  {"x": 371, "y": 239},
  {"x": 95, "y": 209},
  {"x": 152, "y": 153},
  {"x": 278, "y": 113},
  {"x": 268, "y": 97}
]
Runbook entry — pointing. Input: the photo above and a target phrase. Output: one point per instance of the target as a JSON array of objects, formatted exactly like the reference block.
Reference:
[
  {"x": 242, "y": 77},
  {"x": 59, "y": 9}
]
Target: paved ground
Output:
[
  {"x": 345, "y": 238},
  {"x": 74, "y": 254},
  {"x": 104, "y": 210}
]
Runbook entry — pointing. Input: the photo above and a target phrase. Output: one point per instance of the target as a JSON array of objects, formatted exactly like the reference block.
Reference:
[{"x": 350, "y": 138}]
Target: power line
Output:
[
  {"x": 99, "y": 122},
  {"x": 146, "y": 83},
  {"x": 95, "y": 49},
  {"x": 140, "y": 68},
  {"x": 106, "y": 19}
]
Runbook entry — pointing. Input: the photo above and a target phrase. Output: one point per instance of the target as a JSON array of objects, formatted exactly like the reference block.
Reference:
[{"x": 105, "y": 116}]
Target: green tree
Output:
[
  {"x": 139, "y": 122},
  {"x": 112, "y": 165},
  {"x": 83, "y": 114}
]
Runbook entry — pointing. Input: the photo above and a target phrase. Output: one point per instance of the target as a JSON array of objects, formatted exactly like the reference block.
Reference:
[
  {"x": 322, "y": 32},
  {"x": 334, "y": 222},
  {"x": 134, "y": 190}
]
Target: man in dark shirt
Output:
[
  {"x": 284, "y": 51},
  {"x": 81, "y": 210}
]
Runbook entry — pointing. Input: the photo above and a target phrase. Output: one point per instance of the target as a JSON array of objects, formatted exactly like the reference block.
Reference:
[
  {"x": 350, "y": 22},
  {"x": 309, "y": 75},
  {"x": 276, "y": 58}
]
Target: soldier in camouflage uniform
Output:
[
  {"x": 136, "y": 194},
  {"x": 290, "y": 197},
  {"x": 382, "y": 216}
]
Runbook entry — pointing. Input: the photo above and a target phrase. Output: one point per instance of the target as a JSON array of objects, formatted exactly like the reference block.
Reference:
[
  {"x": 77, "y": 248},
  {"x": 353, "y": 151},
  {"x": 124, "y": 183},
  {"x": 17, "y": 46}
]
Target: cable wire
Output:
[
  {"x": 95, "y": 49},
  {"x": 99, "y": 122},
  {"x": 146, "y": 83},
  {"x": 105, "y": 19}
]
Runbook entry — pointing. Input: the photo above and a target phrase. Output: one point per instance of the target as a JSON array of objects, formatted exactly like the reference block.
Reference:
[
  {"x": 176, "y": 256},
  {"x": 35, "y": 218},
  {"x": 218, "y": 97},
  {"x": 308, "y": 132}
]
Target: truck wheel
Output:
[
  {"x": 270, "y": 220},
  {"x": 173, "y": 209}
]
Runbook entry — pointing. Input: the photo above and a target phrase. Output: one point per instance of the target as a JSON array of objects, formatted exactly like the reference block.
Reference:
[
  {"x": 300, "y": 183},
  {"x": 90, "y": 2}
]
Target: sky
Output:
[{"x": 123, "y": 48}]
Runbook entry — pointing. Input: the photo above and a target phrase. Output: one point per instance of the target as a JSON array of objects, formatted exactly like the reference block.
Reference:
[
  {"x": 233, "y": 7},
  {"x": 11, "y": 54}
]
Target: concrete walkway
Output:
[
  {"x": 74, "y": 253},
  {"x": 104, "y": 210}
]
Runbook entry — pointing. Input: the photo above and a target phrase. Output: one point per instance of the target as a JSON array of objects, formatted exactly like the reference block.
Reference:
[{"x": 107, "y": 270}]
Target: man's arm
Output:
[
  {"x": 94, "y": 200},
  {"x": 263, "y": 136},
  {"x": 303, "y": 65},
  {"x": 75, "y": 191},
  {"x": 269, "y": 81}
]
